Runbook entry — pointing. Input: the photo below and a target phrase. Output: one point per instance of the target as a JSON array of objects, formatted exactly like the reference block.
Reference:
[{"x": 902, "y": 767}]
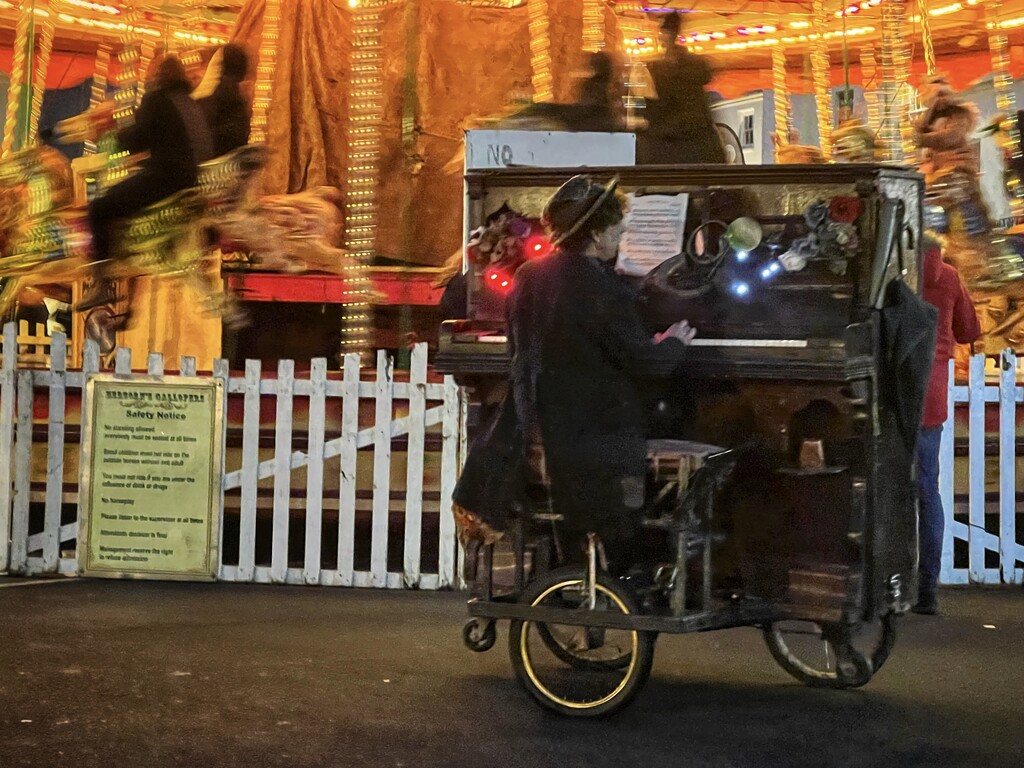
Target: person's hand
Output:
[{"x": 681, "y": 330}]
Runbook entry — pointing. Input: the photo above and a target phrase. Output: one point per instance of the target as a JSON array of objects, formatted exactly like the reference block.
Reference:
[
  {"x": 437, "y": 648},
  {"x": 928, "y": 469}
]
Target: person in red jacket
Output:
[{"x": 957, "y": 324}]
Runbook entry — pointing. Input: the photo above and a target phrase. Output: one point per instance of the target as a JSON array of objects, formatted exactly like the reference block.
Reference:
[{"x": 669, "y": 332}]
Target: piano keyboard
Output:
[
  {"x": 777, "y": 343},
  {"x": 698, "y": 342}
]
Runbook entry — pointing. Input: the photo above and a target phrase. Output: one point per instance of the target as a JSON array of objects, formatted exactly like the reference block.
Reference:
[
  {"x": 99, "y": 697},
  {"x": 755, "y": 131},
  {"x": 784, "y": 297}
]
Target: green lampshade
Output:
[{"x": 744, "y": 234}]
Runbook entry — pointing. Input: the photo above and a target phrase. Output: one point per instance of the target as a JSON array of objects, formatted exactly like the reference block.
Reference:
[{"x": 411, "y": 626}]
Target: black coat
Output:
[
  {"x": 577, "y": 342},
  {"x": 170, "y": 126},
  {"x": 227, "y": 114}
]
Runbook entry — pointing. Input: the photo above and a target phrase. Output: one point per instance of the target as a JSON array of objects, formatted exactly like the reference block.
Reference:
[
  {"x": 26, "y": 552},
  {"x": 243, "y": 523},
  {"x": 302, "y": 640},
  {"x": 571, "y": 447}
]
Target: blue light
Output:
[
  {"x": 742, "y": 255},
  {"x": 770, "y": 270},
  {"x": 740, "y": 289}
]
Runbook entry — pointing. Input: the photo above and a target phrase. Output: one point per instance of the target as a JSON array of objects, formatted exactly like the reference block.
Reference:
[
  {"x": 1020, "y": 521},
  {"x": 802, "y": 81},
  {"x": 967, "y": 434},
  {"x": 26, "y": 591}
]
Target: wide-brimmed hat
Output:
[{"x": 574, "y": 204}]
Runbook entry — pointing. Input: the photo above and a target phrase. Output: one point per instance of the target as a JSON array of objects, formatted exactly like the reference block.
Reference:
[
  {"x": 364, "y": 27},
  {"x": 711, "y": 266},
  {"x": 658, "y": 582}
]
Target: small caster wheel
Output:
[{"x": 479, "y": 636}]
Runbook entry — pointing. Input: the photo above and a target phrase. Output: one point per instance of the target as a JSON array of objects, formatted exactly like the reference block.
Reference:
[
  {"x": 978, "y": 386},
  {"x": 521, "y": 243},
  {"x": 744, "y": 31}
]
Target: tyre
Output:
[
  {"x": 805, "y": 650},
  {"x": 580, "y": 671}
]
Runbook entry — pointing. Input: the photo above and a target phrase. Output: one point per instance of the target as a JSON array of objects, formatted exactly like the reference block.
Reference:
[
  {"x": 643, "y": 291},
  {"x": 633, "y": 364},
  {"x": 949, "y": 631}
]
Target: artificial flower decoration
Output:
[
  {"x": 833, "y": 234},
  {"x": 501, "y": 242},
  {"x": 845, "y": 210}
]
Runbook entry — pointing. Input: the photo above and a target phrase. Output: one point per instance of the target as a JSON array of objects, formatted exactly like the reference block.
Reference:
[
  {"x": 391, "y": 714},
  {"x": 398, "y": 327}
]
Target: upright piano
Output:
[{"x": 783, "y": 271}]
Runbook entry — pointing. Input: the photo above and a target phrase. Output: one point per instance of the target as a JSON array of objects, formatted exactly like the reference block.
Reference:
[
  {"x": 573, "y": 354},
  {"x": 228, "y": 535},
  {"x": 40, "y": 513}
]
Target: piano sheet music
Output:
[{"x": 654, "y": 232}]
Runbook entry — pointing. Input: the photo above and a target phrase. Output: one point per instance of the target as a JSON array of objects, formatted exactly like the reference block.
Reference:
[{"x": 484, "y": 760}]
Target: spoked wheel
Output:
[
  {"x": 814, "y": 654},
  {"x": 576, "y": 670}
]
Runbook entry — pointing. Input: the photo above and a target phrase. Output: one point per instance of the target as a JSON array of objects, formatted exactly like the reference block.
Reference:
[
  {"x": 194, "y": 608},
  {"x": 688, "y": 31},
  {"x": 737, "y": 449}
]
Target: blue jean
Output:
[{"x": 931, "y": 522}]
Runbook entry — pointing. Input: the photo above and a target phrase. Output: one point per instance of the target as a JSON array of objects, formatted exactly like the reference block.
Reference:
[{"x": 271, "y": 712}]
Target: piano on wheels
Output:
[{"x": 786, "y": 272}]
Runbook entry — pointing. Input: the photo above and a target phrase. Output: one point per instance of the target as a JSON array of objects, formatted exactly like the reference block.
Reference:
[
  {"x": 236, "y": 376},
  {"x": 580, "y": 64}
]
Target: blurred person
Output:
[
  {"x": 596, "y": 103},
  {"x": 226, "y": 109},
  {"x": 680, "y": 126},
  {"x": 171, "y": 128},
  {"x": 957, "y": 324}
]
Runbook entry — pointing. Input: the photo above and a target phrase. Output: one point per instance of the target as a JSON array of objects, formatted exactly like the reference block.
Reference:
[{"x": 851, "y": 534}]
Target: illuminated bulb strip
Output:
[
  {"x": 1008, "y": 24},
  {"x": 820, "y": 73},
  {"x": 109, "y": 26},
  {"x": 781, "y": 96},
  {"x": 39, "y": 79},
  {"x": 540, "y": 50},
  {"x": 194, "y": 37},
  {"x": 18, "y": 74},
  {"x": 593, "y": 25},
  {"x": 98, "y": 7},
  {"x": 263, "y": 87},
  {"x": 1005, "y": 101},
  {"x": 365, "y": 114}
]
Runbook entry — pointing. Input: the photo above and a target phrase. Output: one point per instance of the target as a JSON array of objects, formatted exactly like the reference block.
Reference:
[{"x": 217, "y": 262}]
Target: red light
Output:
[
  {"x": 537, "y": 247},
  {"x": 499, "y": 281}
]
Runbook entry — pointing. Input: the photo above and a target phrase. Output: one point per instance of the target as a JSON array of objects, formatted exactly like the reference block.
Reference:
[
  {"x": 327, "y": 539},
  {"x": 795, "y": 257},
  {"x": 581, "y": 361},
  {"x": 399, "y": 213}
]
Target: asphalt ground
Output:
[{"x": 109, "y": 674}]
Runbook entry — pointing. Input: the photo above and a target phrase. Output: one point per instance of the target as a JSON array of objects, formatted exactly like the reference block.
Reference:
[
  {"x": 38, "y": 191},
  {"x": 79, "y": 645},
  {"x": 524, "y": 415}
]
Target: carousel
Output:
[{"x": 349, "y": 197}]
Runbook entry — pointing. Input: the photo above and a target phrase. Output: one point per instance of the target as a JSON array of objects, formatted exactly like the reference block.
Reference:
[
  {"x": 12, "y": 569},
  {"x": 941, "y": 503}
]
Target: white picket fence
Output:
[
  {"x": 434, "y": 409},
  {"x": 994, "y": 550},
  {"x": 982, "y": 544}
]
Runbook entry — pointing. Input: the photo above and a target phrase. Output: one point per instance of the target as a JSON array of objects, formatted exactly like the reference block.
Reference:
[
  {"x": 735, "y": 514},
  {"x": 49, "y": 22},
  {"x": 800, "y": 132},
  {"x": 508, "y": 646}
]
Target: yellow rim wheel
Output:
[{"x": 528, "y": 661}]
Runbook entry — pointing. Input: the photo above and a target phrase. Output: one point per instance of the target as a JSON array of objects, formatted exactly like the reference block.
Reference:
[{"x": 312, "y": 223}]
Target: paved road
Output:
[{"x": 111, "y": 674}]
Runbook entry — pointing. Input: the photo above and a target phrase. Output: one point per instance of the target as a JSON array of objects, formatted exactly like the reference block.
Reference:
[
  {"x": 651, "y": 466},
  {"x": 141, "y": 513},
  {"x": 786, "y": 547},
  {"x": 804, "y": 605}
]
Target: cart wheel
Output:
[
  {"x": 807, "y": 652},
  {"x": 479, "y": 636},
  {"x": 576, "y": 670}
]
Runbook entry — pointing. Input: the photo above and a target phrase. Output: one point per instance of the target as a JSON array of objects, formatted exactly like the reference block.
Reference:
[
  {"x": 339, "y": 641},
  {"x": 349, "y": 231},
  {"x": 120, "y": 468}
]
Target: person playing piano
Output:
[{"x": 577, "y": 342}]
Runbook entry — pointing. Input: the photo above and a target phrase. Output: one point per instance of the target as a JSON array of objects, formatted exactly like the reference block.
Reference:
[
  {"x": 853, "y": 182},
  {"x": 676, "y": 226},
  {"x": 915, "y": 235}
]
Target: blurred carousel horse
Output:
[
  {"x": 989, "y": 261},
  {"x": 47, "y": 241},
  {"x": 43, "y": 240}
]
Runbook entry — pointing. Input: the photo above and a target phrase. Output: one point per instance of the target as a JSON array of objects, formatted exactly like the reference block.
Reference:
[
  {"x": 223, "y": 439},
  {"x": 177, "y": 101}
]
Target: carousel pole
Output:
[
  {"x": 820, "y": 74},
  {"x": 781, "y": 97},
  {"x": 23, "y": 36},
  {"x": 540, "y": 50},
  {"x": 926, "y": 36},
  {"x": 42, "y": 64},
  {"x": 869, "y": 72},
  {"x": 1005, "y": 102}
]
